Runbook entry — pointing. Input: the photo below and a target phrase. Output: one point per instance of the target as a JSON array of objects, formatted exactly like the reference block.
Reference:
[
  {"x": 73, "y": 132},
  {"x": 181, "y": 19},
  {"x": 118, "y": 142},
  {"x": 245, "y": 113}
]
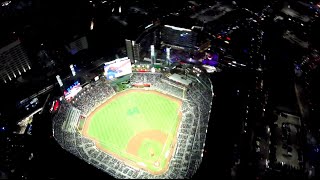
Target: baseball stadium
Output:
[{"x": 138, "y": 120}]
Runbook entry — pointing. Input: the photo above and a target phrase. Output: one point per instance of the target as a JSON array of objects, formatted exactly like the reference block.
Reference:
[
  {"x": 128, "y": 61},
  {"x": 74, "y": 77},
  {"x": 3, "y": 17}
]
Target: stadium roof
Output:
[{"x": 180, "y": 79}]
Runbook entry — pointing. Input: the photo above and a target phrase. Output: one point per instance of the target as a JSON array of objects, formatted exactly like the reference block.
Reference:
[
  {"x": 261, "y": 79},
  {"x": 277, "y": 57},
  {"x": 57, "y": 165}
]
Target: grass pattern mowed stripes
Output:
[{"x": 132, "y": 112}]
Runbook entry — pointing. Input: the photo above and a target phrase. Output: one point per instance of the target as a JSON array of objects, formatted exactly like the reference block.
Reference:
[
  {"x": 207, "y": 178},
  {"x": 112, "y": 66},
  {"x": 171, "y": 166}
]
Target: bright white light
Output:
[
  {"x": 103, "y": 2},
  {"x": 59, "y": 80},
  {"x": 177, "y": 28},
  {"x": 29, "y": 66},
  {"x": 112, "y": 10},
  {"x": 72, "y": 70},
  {"x": 91, "y": 25},
  {"x": 120, "y": 9},
  {"x": 6, "y": 3},
  {"x": 19, "y": 72},
  {"x": 148, "y": 26},
  {"x": 152, "y": 51},
  {"x": 168, "y": 53},
  {"x": 153, "y": 70},
  {"x": 227, "y": 42}
]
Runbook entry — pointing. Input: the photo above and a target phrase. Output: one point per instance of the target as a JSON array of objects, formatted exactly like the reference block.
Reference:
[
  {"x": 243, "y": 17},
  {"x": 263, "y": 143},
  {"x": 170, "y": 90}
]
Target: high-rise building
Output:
[
  {"x": 136, "y": 51},
  {"x": 168, "y": 56},
  {"x": 13, "y": 61},
  {"x": 153, "y": 55},
  {"x": 129, "y": 47},
  {"x": 177, "y": 36},
  {"x": 77, "y": 45}
]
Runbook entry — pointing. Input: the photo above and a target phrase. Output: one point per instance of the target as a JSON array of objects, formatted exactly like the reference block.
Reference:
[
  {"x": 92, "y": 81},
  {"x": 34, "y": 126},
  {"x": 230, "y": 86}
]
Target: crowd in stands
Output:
[
  {"x": 150, "y": 78},
  {"x": 195, "y": 110},
  {"x": 166, "y": 88},
  {"x": 92, "y": 96}
]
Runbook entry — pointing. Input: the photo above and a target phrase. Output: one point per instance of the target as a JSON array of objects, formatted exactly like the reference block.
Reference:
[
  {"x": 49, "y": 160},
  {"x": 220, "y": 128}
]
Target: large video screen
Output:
[{"x": 117, "y": 68}]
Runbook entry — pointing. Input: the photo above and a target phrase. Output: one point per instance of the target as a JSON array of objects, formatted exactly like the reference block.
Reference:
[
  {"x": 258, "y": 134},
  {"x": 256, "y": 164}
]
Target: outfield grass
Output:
[{"x": 133, "y": 112}]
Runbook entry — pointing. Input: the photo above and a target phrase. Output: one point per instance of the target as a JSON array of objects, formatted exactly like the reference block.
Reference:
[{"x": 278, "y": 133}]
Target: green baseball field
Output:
[{"x": 138, "y": 127}]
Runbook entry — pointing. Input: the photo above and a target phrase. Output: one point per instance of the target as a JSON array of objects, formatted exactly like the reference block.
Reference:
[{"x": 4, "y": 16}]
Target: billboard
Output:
[
  {"x": 117, "y": 68},
  {"x": 72, "y": 91}
]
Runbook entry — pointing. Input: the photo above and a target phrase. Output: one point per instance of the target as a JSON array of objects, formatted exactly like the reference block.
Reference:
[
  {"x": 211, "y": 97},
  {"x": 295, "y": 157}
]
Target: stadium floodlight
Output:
[
  {"x": 5, "y": 3},
  {"x": 152, "y": 51},
  {"x": 72, "y": 70},
  {"x": 59, "y": 80},
  {"x": 153, "y": 70},
  {"x": 91, "y": 25},
  {"x": 177, "y": 28},
  {"x": 148, "y": 26},
  {"x": 168, "y": 53}
]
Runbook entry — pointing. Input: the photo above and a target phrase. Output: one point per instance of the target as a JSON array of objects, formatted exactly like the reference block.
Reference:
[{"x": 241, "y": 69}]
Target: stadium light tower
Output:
[
  {"x": 129, "y": 48},
  {"x": 92, "y": 24},
  {"x": 153, "y": 56},
  {"x": 72, "y": 70},
  {"x": 168, "y": 55},
  {"x": 59, "y": 80}
]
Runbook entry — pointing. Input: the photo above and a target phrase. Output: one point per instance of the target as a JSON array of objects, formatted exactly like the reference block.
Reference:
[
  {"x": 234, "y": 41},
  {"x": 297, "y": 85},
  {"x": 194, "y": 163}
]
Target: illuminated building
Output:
[{"x": 13, "y": 61}]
